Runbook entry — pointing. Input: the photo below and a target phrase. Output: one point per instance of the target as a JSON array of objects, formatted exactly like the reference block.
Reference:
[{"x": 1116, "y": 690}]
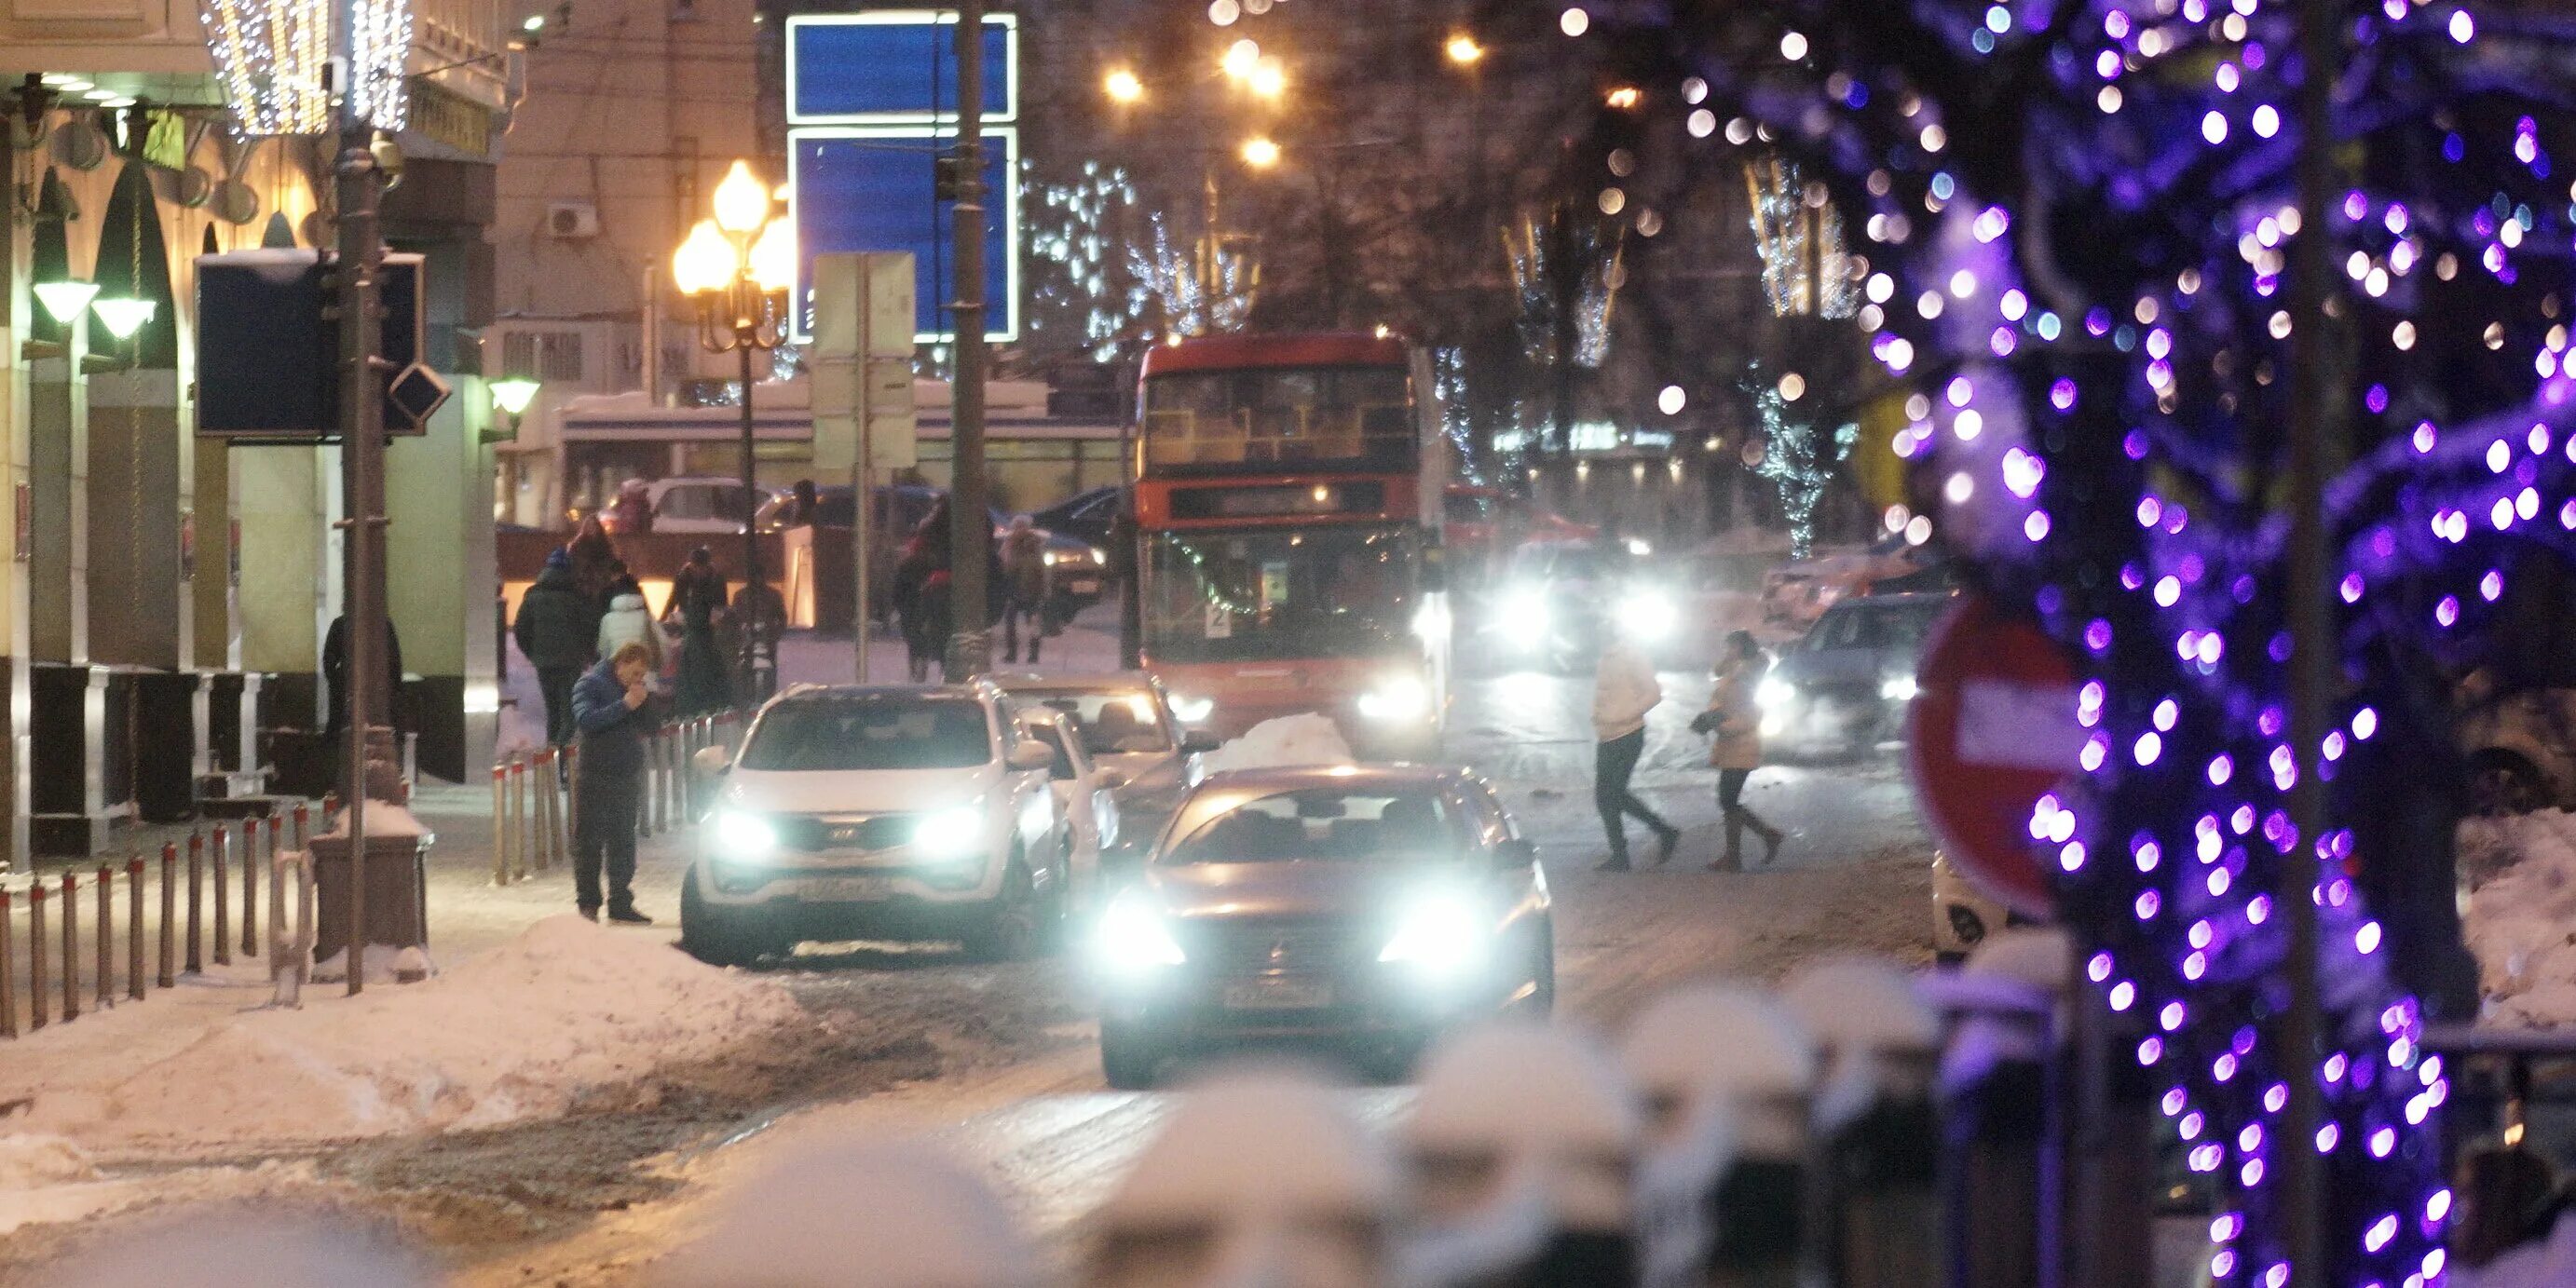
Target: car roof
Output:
[
  {"x": 1116, "y": 682},
  {"x": 880, "y": 692},
  {"x": 1375, "y": 777}
]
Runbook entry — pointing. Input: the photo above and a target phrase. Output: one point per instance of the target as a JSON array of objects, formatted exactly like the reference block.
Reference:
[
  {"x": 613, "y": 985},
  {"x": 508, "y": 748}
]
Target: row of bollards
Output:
[
  {"x": 533, "y": 795},
  {"x": 197, "y": 922}
]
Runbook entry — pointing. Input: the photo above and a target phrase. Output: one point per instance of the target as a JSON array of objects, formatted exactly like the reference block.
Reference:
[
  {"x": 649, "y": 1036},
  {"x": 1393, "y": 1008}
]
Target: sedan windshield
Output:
[
  {"x": 901, "y": 733},
  {"x": 1114, "y": 722},
  {"x": 1323, "y": 824},
  {"x": 1898, "y": 628}
]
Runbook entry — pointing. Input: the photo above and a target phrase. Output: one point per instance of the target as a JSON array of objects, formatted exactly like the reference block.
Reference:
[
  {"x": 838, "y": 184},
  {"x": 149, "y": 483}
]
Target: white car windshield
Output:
[{"x": 871, "y": 733}]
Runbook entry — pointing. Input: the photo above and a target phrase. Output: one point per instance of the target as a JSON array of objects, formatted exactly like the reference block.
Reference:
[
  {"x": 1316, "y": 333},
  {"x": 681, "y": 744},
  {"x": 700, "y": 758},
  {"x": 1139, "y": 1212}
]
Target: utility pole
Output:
[
  {"x": 362, "y": 465},
  {"x": 971, "y": 530}
]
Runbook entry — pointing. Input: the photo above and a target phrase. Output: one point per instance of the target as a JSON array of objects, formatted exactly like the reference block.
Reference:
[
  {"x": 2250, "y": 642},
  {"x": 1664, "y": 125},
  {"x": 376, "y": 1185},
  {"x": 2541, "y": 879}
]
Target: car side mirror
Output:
[
  {"x": 711, "y": 761},
  {"x": 1029, "y": 753},
  {"x": 1197, "y": 742},
  {"x": 1515, "y": 854}
]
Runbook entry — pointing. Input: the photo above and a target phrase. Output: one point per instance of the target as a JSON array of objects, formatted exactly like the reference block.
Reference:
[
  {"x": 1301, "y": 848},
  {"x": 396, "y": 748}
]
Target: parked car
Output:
[
  {"x": 1084, "y": 516},
  {"x": 1366, "y": 906},
  {"x": 1797, "y": 594},
  {"x": 1085, "y": 796},
  {"x": 1962, "y": 915},
  {"x": 1845, "y": 686},
  {"x": 1475, "y": 517},
  {"x": 703, "y": 505},
  {"x": 1128, "y": 729},
  {"x": 898, "y": 813}
]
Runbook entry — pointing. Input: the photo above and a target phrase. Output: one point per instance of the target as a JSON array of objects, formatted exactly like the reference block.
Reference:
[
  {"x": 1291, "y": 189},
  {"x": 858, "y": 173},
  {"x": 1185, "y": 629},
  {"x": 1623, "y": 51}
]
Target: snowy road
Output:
[{"x": 997, "y": 1063}]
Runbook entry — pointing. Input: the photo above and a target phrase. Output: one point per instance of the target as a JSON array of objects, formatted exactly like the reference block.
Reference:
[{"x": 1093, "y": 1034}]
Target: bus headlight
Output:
[
  {"x": 1190, "y": 708},
  {"x": 1898, "y": 688},
  {"x": 950, "y": 833},
  {"x": 1648, "y": 616},
  {"x": 1441, "y": 935},
  {"x": 743, "y": 838},
  {"x": 1133, "y": 937},
  {"x": 1400, "y": 698}
]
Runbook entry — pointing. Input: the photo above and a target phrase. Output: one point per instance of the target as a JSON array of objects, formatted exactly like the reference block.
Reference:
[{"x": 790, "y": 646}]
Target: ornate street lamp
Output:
[{"x": 738, "y": 267}]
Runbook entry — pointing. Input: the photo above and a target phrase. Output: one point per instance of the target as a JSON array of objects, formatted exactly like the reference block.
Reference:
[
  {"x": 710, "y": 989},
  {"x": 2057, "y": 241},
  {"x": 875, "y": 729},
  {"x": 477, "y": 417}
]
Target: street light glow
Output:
[
  {"x": 1463, "y": 49},
  {"x": 773, "y": 257},
  {"x": 1260, "y": 153},
  {"x": 123, "y": 317},
  {"x": 65, "y": 300},
  {"x": 512, "y": 394},
  {"x": 1623, "y": 97},
  {"x": 1123, "y": 87},
  {"x": 705, "y": 261},
  {"x": 742, "y": 201},
  {"x": 1269, "y": 77},
  {"x": 1241, "y": 58}
]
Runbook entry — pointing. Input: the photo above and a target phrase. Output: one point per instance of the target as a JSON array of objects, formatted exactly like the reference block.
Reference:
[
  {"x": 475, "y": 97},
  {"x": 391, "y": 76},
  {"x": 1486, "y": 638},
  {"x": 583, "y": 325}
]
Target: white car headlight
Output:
[
  {"x": 950, "y": 833},
  {"x": 1133, "y": 937},
  {"x": 1774, "y": 693},
  {"x": 1524, "y": 608},
  {"x": 1640, "y": 547},
  {"x": 1400, "y": 698},
  {"x": 1648, "y": 616},
  {"x": 1440, "y": 935},
  {"x": 1898, "y": 689},
  {"x": 1190, "y": 708},
  {"x": 745, "y": 838}
]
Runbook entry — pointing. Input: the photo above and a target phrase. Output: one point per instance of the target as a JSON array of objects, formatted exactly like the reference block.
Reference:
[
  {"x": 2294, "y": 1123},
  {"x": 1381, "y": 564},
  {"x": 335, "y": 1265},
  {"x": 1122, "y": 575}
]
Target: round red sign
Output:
[{"x": 1992, "y": 729}]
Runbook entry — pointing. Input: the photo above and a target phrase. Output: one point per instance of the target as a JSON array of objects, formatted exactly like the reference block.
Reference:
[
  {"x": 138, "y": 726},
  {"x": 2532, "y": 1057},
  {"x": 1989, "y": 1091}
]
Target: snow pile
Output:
[
  {"x": 28, "y": 1162},
  {"x": 928, "y": 1224},
  {"x": 384, "y": 818},
  {"x": 1304, "y": 739},
  {"x": 218, "y": 1245},
  {"x": 2521, "y": 916},
  {"x": 567, "y": 1009}
]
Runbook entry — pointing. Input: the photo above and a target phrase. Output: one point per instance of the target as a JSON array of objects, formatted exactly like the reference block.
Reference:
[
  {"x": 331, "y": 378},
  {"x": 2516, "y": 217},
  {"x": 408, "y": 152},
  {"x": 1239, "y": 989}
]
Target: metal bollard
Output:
[
  {"x": 8, "y": 973},
  {"x": 36, "y": 989},
  {"x": 252, "y": 857},
  {"x": 134, "y": 927},
  {"x": 300, "y": 823},
  {"x": 500, "y": 825},
  {"x": 71, "y": 948},
  {"x": 549, "y": 804},
  {"x": 648, "y": 811},
  {"x": 106, "y": 937},
  {"x": 196, "y": 897},
  {"x": 519, "y": 818},
  {"x": 222, "y": 858},
  {"x": 169, "y": 976},
  {"x": 677, "y": 811},
  {"x": 305, "y": 929}
]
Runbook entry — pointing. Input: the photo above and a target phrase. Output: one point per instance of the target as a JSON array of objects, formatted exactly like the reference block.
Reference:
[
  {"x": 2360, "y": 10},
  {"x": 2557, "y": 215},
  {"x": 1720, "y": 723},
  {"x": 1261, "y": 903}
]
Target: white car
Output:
[
  {"x": 879, "y": 813},
  {"x": 1085, "y": 794},
  {"x": 709, "y": 505}
]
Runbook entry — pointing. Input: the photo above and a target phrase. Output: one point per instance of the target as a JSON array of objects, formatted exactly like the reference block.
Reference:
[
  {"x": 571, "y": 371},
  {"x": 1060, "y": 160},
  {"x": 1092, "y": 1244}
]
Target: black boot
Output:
[{"x": 1733, "y": 859}]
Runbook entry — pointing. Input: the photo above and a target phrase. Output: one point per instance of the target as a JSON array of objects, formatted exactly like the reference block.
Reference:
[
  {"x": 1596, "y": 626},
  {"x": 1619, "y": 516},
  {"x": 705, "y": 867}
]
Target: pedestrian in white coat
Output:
[
  {"x": 629, "y": 621},
  {"x": 1623, "y": 692}
]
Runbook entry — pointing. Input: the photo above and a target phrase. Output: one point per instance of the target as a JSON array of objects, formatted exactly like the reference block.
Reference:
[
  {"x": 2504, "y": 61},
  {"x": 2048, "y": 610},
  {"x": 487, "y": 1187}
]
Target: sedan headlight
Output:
[
  {"x": 743, "y": 838},
  {"x": 1648, "y": 616},
  {"x": 1190, "y": 708},
  {"x": 1440, "y": 935},
  {"x": 950, "y": 833},
  {"x": 1899, "y": 688},
  {"x": 1134, "y": 937},
  {"x": 1774, "y": 693},
  {"x": 1398, "y": 699},
  {"x": 1524, "y": 611}
]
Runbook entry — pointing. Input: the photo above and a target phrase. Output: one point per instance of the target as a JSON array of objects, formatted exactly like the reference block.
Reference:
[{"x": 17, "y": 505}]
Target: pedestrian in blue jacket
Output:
[{"x": 608, "y": 707}]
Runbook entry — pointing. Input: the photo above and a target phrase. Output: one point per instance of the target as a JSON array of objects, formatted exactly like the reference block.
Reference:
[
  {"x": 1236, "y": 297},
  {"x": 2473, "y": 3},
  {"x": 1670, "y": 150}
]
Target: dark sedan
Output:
[
  {"x": 1367, "y": 906},
  {"x": 1845, "y": 687}
]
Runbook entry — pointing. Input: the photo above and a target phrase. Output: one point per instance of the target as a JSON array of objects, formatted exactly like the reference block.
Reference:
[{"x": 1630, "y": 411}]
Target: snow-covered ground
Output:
[{"x": 2520, "y": 915}]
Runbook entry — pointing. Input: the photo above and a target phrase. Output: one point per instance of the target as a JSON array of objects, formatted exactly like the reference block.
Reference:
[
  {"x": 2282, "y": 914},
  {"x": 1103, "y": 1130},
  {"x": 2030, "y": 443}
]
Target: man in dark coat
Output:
[
  {"x": 608, "y": 781},
  {"x": 558, "y": 630}
]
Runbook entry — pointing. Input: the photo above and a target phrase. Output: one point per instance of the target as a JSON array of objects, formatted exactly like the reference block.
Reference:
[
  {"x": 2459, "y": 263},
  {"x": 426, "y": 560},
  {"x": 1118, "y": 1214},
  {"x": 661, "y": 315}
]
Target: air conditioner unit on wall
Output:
[{"x": 572, "y": 220}]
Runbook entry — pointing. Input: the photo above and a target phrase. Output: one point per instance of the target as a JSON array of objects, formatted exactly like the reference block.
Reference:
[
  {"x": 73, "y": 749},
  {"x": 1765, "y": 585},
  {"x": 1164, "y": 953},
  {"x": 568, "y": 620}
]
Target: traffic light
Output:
[{"x": 950, "y": 176}]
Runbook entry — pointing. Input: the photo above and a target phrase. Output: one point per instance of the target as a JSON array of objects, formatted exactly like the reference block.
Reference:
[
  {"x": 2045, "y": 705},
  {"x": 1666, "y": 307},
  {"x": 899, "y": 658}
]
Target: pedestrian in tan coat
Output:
[{"x": 1736, "y": 720}]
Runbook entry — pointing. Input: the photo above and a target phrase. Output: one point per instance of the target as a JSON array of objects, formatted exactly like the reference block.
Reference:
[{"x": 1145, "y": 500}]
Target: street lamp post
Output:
[{"x": 737, "y": 266}]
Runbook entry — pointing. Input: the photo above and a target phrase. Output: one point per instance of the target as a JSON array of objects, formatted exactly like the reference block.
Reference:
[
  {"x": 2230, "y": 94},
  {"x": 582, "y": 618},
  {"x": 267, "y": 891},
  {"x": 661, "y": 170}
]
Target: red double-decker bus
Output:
[{"x": 1288, "y": 510}]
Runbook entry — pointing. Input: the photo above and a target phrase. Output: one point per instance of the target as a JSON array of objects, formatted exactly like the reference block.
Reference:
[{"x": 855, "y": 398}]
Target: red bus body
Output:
[{"x": 1288, "y": 508}]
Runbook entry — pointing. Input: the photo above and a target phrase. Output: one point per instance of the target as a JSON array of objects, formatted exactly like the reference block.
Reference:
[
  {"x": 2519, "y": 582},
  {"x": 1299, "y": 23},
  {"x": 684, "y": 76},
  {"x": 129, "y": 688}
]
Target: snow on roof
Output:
[
  {"x": 1860, "y": 1002},
  {"x": 384, "y": 818},
  {"x": 859, "y": 1212},
  {"x": 2040, "y": 956},
  {"x": 1518, "y": 1083},
  {"x": 1719, "y": 1037},
  {"x": 1256, "y": 1141},
  {"x": 1302, "y": 739},
  {"x": 231, "y": 1244}
]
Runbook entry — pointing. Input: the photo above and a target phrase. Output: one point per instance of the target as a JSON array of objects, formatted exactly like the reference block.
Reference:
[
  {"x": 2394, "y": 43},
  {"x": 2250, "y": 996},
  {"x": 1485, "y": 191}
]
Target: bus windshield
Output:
[
  {"x": 1280, "y": 594},
  {"x": 1210, "y": 421}
]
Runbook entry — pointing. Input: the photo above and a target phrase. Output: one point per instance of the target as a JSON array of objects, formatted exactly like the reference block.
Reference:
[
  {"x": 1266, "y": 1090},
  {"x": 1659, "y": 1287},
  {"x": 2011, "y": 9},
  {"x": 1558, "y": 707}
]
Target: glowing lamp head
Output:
[
  {"x": 64, "y": 301},
  {"x": 1123, "y": 87},
  {"x": 1241, "y": 58},
  {"x": 1269, "y": 78},
  {"x": 123, "y": 317},
  {"x": 512, "y": 394},
  {"x": 1464, "y": 51},
  {"x": 773, "y": 257},
  {"x": 1260, "y": 153},
  {"x": 742, "y": 201},
  {"x": 705, "y": 261}
]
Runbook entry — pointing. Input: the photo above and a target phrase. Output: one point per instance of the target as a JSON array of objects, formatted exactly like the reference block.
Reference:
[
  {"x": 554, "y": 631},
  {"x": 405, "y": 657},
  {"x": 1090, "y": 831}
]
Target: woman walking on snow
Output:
[
  {"x": 1623, "y": 691},
  {"x": 1737, "y": 721}
]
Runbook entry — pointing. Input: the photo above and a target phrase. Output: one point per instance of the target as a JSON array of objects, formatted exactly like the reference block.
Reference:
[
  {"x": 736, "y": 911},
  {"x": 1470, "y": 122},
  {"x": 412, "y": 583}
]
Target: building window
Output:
[{"x": 553, "y": 357}]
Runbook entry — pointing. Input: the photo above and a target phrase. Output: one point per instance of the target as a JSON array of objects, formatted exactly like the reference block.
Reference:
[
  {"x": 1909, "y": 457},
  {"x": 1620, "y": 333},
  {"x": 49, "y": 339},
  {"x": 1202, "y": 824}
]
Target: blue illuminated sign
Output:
[
  {"x": 873, "y": 188},
  {"x": 890, "y": 67}
]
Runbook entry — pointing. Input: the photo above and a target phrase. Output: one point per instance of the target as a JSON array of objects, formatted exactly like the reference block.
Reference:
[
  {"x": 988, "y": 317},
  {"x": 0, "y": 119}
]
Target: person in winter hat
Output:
[
  {"x": 1623, "y": 692},
  {"x": 558, "y": 631},
  {"x": 608, "y": 779},
  {"x": 1736, "y": 720},
  {"x": 1025, "y": 579},
  {"x": 629, "y": 621}
]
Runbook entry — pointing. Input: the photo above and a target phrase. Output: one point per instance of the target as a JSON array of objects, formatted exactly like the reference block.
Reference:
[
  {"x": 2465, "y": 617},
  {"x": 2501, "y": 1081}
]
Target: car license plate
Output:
[
  {"x": 847, "y": 889},
  {"x": 1278, "y": 994},
  {"x": 1082, "y": 586}
]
